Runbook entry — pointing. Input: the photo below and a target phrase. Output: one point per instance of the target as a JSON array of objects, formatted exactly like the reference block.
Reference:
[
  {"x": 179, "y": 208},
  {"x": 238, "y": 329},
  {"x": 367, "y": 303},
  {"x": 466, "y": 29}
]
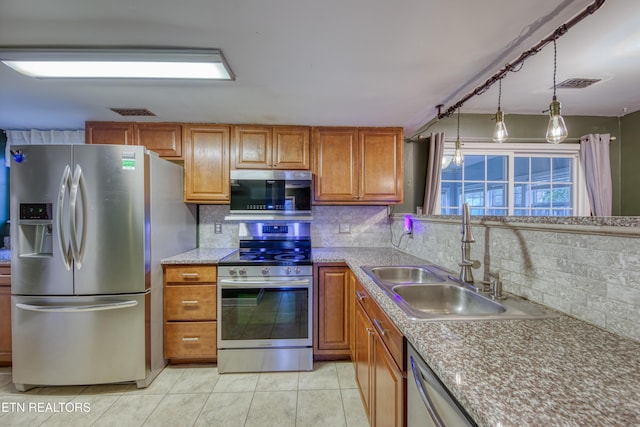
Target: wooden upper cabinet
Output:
[
  {"x": 358, "y": 165},
  {"x": 206, "y": 163},
  {"x": 270, "y": 147},
  {"x": 381, "y": 159},
  {"x": 335, "y": 164},
  {"x": 162, "y": 138},
  {"x": 109, "y": 133}
]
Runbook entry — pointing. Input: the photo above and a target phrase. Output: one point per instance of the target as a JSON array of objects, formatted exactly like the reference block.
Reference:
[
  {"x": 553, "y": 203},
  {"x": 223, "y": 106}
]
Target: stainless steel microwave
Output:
[{"x": 270, "y": 194}]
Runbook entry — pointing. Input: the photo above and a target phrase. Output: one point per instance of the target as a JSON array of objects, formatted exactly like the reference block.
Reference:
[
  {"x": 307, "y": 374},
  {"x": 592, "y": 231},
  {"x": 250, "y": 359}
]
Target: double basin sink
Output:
[{"x": 428, "y": 292}]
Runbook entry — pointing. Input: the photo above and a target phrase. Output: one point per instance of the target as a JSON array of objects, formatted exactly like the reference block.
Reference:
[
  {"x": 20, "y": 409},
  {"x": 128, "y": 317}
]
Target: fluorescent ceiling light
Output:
[{"x": 124, "y": 63}]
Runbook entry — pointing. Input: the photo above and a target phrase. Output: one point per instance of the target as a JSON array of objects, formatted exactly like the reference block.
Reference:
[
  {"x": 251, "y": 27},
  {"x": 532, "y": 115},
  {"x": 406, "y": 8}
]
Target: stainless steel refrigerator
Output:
[{"x": 90, "y": 224}]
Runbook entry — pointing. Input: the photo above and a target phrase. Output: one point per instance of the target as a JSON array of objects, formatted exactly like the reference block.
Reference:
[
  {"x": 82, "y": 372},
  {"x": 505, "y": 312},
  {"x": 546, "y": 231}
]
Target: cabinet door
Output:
[
  {"x": 162, "y": 138},
  {"x": 335, "y": 164},
  {"x": 109, "y": 133},
  {"x": 351, "y": 297},
  {"x": 252, "y": 147},
  {"x": 387, "y": 406},
  {"x": 333, "y": 309},
  {"x": 381, "y": 165},
  {"x": 362, "y": 360},
  {"x": 291, "y": 148},
  {"x": 206, "y": 164}
]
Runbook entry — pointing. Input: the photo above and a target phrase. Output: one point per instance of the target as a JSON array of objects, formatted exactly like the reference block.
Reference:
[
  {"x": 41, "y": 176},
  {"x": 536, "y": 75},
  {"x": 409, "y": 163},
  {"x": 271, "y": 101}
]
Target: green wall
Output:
[
  {"x": 521, "y": 127},
  {"x": 630, "y": 172}
]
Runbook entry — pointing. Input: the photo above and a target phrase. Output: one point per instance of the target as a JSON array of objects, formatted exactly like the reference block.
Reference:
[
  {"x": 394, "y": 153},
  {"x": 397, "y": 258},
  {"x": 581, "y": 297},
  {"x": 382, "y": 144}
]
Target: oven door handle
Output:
[{"x": 263, "y": 283}]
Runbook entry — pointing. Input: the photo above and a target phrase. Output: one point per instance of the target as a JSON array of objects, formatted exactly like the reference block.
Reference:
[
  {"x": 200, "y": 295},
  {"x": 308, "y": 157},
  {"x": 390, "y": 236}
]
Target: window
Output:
[{"x": 513, "y": 179}]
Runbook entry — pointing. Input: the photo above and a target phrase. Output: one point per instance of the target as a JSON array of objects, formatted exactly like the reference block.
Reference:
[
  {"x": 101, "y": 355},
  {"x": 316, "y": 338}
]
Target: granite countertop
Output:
[
  {"x": 5, "y": 256},
  {"x": 200, "y": 256},
  {"x": 551, "y": 372}
]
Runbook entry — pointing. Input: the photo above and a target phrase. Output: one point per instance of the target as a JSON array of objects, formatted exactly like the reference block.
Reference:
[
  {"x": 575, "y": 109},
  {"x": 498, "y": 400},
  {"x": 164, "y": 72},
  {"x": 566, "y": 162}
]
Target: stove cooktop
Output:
[{"x": 270, "y": 253}]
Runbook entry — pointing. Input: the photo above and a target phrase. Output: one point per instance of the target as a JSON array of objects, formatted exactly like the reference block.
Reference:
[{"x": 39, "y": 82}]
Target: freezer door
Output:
[
  {"x": 110, "y": 219},
  {"x": 40, "y": 189},
  {"x": 78, "y": 340}
]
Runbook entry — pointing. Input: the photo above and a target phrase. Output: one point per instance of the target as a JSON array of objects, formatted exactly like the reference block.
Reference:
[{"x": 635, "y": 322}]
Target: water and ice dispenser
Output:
[{"x": 35, "y": 228}]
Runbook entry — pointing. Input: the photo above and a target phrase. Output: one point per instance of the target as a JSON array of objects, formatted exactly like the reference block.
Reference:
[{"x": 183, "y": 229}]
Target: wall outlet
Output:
[
  {"x": 217, "y": 228},
  {"x": 345, "y": 228}
]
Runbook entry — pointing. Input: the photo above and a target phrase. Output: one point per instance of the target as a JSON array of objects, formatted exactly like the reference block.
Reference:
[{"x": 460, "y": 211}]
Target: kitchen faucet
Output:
[{"x": 466, "y": 275}]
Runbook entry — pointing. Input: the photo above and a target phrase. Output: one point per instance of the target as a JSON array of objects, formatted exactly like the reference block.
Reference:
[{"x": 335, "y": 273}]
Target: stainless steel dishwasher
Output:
[{"x": 429, "y": 403}]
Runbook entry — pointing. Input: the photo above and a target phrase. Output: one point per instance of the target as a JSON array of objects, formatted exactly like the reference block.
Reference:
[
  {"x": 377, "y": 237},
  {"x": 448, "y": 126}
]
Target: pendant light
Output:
[
  {"x": 557, "y": 130},
  {"x": 458, "y": 157},
  {"x": 500, "y": 133}
]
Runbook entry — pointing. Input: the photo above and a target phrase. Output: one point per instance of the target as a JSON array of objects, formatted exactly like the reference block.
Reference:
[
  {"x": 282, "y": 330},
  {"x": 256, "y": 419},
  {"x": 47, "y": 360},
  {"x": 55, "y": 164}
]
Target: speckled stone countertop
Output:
[
  {"x": 552, "y": 372},
  {"x": 200, "y": 256}
]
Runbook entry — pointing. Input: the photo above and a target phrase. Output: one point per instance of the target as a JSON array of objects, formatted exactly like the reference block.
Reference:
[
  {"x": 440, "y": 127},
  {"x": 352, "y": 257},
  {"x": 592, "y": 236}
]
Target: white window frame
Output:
[{"x": 511, "y": 150}]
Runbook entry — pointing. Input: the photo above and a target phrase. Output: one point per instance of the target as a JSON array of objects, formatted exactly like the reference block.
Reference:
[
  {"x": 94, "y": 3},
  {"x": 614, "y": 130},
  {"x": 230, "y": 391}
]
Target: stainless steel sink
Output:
[
  {"x": 429, "y": 292},
  {"x": 448, "y": 299},
  {"x": 406, "y": 274}
]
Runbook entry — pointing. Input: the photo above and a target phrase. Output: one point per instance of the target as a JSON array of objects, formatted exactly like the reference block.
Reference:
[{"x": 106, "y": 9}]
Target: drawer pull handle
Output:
[
  {"x": 190, "y": 339},
  {"x": 383, "y": 331},
  {"x": 360, "y": 296},
  {"x": 190, "y": 275},
  {"x": 191, "y": 302}
]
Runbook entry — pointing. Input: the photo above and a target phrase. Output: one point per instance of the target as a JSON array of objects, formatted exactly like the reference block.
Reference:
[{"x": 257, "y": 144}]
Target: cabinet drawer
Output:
[
  {"x": 190, "y": 302},
  {"x": 5, "y": 275},
  {"x": 190, "y": 274},
  {"x": 386, "y": 329},
  {"x": 190, "y": 340}
]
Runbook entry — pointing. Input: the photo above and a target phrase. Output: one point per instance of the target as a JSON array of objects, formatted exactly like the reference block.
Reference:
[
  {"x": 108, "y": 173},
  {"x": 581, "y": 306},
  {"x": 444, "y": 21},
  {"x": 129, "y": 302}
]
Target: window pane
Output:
[
  {"x": 541, "y": 195},
  {"x": 450, "y": 194},
  {"x": 562, "y": 212},
  {"x": 452, "y": 172},
  {"x": 521, "y": 212},
  {"x": 496, "y": 168},
  {"x": 474, "y": 168},
  {"x": 540, "y": 169},
  {"x": 496, "y": 195},
  {"x": 540, "y": 212},
  {"x": 476, "y": 211},
  {"x": 497, "y": 212},
  {"x": 562, "y": 170},
  {"x": 474, "y": 193},
  {"x": 561, "y": 196},
  {"x": 521, "y": 196},
  {"x": 521, "y": 169}
]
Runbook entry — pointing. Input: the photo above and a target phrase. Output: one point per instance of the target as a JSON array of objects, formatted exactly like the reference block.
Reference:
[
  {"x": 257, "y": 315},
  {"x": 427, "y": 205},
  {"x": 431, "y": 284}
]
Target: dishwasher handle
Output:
[{"x": 419, "y": 377}]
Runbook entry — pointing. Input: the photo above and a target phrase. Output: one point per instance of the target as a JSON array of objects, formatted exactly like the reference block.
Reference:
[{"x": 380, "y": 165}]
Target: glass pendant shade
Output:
[
  {"x": 500, "y": 133},
  {"x": 458, "y": 157},
  {"x": 557, "y": 130}
]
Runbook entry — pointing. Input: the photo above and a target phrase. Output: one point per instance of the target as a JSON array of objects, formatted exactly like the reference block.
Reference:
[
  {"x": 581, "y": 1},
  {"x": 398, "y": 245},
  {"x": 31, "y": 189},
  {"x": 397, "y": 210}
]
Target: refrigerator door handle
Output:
[
  {"x": 78, "y": 183},
  {"x": 65, "y": 248},
  {"x": 77, "y": 308}
]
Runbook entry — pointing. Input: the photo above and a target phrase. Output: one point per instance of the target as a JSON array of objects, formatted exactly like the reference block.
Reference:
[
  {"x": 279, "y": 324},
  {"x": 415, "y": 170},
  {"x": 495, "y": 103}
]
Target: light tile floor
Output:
[{"x": 195, "y": 395}]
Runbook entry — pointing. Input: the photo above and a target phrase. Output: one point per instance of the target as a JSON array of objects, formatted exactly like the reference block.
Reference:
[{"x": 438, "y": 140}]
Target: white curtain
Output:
[
  {"x": 594, "y": 156},
  {"x": 434, "y": 169},
  {"x": 26, "y": 137}
]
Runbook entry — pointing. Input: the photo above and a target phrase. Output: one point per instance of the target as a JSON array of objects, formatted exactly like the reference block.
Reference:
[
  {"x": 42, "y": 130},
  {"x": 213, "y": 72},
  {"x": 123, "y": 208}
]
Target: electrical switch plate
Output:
[
  {"x": 217, "y": 228},
  {"x": 345, "y": 228}
]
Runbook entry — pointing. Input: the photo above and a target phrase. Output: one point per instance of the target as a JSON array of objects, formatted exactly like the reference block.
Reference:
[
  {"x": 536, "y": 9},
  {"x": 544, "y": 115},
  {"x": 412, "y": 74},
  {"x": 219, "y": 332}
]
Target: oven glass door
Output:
[{"x": 264, "y": 313}]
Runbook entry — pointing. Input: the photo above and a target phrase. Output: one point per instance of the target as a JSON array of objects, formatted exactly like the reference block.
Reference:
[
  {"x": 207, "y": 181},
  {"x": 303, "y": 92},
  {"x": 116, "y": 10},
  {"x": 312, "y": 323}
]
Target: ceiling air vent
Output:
[
  {"x": 576, "y": 83},
  {"x": 133, "y": 112}
]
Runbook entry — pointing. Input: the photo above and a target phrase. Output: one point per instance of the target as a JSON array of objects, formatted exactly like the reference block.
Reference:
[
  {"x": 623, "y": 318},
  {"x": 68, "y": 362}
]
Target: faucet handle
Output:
[{"x": 473, "y": 263}]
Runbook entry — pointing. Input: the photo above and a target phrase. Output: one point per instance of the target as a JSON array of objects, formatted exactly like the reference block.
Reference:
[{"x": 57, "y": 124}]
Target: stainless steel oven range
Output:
[{"x": 265, "y": 300}]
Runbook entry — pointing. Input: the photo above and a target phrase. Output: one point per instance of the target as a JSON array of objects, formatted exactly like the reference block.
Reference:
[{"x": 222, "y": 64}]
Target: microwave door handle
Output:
[
  {"x": 65, "y": 249},
  {"x": 78, "y": 183},
  {"x": 424, "y": 394}
]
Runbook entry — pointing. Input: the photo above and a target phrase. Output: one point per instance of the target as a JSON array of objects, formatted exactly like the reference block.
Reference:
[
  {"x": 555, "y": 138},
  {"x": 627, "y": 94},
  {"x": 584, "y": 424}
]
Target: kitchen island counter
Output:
[{"x": 552, "y": 372}]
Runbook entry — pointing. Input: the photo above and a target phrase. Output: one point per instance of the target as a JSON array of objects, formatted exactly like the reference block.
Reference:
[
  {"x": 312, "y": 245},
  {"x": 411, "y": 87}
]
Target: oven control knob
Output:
[
  {"x": 287, "y": 270},
  {"x": 265, "y": 271},
  {"x": 297, "y": 270},
  {"x": 242, "y": 271},
  {"x": 232, "y": 271}
]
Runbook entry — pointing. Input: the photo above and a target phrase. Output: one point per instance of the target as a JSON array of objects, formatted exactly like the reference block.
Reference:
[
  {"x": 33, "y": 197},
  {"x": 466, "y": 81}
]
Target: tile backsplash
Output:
[{"x": 591, "y": 276}]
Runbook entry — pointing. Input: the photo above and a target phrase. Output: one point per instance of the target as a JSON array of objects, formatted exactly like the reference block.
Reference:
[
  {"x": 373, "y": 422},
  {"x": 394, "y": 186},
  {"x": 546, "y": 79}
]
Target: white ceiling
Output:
[{"x": 329, "y": 62}]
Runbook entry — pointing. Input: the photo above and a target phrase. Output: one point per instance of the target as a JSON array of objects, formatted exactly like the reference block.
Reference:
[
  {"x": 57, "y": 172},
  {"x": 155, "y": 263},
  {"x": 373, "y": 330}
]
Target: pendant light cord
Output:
[
  {"x": 499, "y": 92},
  {"x": 458, "y": 123},
  {"x": 555, "y": 66}
]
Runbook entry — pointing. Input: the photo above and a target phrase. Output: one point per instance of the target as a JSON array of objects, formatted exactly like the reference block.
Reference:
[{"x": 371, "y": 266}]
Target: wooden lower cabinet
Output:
[
  {"x": 331, "y": 312},
  {"x": 5, "y": 315},
  {"x": 380, "y": 374},
  {"x": 190, "y": 306}
]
